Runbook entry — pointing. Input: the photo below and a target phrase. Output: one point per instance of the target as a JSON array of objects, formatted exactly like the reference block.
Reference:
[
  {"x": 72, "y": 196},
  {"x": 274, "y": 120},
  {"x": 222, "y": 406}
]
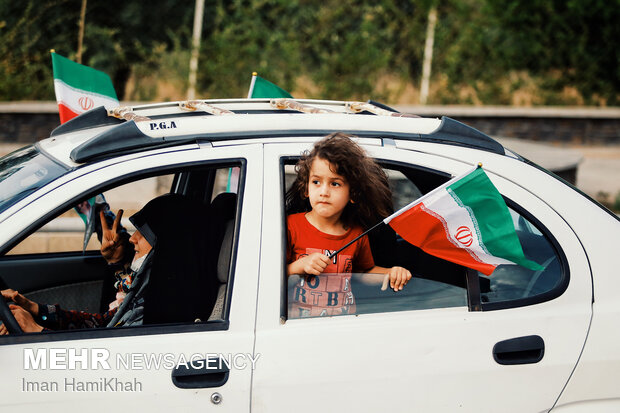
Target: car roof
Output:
[{"x": 101, "y": 133}]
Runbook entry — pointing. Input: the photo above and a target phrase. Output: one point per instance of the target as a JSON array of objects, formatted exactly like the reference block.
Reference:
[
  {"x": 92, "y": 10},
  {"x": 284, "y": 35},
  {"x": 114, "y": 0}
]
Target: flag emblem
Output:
[
  {"x": 86, "y": 103},
  {"x": 463, "y": 235}
]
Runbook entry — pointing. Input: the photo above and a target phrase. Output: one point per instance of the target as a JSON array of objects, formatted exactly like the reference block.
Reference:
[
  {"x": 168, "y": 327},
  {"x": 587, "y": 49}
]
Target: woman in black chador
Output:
[{"x": 170, "y": 280}]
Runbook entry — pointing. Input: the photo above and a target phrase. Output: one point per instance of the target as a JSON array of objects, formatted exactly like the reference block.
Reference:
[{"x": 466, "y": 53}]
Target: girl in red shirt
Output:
[{"x": 342, "y": 191}]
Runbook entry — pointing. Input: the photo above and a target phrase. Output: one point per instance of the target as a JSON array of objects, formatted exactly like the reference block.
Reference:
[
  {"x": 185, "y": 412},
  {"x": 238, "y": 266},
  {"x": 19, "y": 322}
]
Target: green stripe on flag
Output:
[
  {"x": 265, "y": 89},
  {"x": 478, "y": 195},
  {"x": 82, "y": 77}
]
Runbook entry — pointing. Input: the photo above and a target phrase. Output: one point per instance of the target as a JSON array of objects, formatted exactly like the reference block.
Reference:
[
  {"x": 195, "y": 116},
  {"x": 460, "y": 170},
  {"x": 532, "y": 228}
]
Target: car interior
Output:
[{"x": 79, "y": 279}]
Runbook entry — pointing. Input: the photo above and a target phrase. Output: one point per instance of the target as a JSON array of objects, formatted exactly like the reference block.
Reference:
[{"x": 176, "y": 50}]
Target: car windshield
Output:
[{"x": 24, "y": 171}]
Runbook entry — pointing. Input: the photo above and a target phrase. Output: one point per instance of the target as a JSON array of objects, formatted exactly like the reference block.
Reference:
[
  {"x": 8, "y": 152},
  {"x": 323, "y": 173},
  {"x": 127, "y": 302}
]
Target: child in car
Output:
[{"x": 341, "y": 191}]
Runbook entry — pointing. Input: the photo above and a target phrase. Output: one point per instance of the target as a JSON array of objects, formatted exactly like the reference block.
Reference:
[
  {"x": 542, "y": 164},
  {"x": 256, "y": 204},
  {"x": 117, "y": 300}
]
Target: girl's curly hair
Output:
[{"x": 368, "y": 183}]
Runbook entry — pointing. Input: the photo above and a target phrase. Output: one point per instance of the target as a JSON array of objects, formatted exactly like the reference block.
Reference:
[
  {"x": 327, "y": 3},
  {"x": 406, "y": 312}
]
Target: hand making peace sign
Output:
[{"x": 112, "y": 246}]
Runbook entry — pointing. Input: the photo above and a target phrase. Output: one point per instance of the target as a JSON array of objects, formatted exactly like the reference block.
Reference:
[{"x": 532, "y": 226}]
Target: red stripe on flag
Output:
[
  {"x": 66, "y": 113},
  {"x": 428, "y": 232}
]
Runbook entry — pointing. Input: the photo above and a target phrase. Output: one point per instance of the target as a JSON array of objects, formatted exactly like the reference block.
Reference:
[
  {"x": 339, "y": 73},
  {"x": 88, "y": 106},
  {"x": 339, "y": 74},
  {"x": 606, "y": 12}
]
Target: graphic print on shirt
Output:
[{"x": 327, "y": 294}]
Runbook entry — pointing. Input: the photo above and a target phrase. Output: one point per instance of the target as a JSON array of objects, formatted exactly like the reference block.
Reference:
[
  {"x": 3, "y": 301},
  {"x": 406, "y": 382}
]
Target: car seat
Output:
[
  {"x": 181, "y": 286},
  {"x": 223, "y": 210}
]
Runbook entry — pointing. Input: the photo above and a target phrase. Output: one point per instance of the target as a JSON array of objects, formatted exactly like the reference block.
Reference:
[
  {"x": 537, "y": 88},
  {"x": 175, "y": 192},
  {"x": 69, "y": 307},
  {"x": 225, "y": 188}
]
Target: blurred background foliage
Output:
[{"x": 508, "y": 52}]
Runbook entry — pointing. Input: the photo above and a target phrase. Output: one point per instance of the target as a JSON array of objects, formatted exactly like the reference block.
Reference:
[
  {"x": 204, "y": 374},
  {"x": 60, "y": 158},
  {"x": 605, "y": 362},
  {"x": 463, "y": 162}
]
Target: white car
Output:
[{"x": 452, "y": 340}]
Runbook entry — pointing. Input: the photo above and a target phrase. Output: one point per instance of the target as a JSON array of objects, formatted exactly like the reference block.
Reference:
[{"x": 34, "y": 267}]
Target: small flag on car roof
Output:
[
  {"x": 80, "y": 88},
  {"x": 261, "y": 88}
]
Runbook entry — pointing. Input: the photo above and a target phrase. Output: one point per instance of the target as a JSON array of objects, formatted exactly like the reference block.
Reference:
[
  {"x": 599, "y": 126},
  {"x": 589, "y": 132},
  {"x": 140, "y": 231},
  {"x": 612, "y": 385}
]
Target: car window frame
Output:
[
  {"x": 474, "y": 303},
  {"x": 549, "y": 295},
  {"x": 385, "y": 164}
]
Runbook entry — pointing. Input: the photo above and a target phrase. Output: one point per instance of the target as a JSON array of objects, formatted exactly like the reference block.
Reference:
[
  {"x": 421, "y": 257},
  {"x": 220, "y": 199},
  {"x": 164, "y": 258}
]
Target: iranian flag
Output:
[
  {"x": 262, "y": 88},
  {"x": 465, "y": 221},
  {"x": 80, "y": 88}
]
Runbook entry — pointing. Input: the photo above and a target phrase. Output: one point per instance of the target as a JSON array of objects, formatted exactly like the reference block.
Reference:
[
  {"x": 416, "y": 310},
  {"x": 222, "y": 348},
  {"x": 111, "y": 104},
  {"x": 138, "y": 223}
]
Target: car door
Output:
[
  {"x": 516, "y": 355},
  {"x": 82, "y": 278},
  {"x": 196, "y": 366}
]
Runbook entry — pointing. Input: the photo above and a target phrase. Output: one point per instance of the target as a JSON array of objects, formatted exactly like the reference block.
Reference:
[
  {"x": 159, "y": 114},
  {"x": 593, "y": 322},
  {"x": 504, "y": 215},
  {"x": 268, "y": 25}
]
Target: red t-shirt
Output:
[{"x": 329, "y": 293}]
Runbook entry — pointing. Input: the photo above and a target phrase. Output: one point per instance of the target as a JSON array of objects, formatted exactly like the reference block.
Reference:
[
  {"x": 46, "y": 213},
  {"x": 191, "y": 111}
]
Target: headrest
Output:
[
  {"x": 223, "y": 259},
  {"x": 223, "y": 210},
  {"x": 224, "y": 206}
]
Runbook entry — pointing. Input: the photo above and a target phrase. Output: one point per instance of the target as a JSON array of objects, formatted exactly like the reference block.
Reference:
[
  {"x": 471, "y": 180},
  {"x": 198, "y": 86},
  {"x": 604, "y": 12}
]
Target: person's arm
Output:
[
  {"x": 53, "y": 317},
  {"x": 397, "y": 277},
  {"x": 24, "y": 319},
  {"x": 115, "y": 245},
  {"x": 56, "y": 318},
  {"x": 24, "y": 310},
  {"x": 312, "y": 264},
  {"x": 28, "y": 305}
]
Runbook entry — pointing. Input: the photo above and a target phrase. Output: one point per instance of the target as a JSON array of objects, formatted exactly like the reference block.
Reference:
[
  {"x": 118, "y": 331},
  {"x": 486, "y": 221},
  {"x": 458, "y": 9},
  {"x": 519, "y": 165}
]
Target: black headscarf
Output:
[{"x": 179, "y": 289}]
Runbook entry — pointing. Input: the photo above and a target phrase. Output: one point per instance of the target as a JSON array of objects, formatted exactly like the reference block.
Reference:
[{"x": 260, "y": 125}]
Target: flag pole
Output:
[
  {"x": 252, "y": 82},
  {"x": 355, "y": 239}
]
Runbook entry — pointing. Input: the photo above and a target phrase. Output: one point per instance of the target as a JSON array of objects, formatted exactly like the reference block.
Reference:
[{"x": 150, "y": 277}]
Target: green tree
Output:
[
  {"x": 119, "y": 34},
  {"x": 28, "y": 30},
  {"x": 485, "y": 50},
  {"x": 241, "y": 37},
  {"x": 564, "y": 43}
]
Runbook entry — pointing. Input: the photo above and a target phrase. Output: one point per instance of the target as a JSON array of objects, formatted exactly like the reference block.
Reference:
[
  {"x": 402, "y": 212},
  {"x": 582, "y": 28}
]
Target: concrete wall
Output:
[{"x": 567, "y": 125}]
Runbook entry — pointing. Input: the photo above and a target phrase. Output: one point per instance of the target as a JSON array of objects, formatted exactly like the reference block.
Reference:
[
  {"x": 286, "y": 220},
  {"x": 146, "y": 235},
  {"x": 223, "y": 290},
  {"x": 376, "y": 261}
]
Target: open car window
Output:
[
  {"x": 50, "y": 268},
  {"x": 67, "y": 232},
  {"x": 436, "y": 283}
]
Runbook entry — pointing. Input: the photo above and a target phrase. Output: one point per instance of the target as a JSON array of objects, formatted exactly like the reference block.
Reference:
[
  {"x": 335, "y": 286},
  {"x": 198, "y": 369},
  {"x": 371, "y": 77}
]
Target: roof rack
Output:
[
  {"x": 358, "y": 107},
  {"x": 453, "y": 132},
  {"x": 92, "y": 119},
  {"x": 132, "y": 137},
  {"x": 126, "y": 113},
  {"x": 193, "y": 105},
  {"x": 286, "y": 103},
  {"x": 353, "y": 107},
  {"x": 101, "y": 117}
]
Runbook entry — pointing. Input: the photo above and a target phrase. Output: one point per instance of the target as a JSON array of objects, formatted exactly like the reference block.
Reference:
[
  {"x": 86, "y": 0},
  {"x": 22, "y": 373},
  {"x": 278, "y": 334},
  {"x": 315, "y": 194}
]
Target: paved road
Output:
[{"x": 600, "y": 169}]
